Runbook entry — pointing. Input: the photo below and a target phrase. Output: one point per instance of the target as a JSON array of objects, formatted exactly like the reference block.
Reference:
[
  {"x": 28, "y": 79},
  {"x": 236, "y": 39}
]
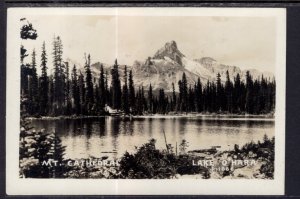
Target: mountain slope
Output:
[{"x": 167, "y": 66}]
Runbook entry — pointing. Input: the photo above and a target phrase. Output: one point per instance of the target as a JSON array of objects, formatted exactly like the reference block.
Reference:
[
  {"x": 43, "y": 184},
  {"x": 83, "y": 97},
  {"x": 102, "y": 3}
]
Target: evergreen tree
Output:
[
  {"x": 131, "y": 92},
  {"x": 183, "y": 90},
  {"x": 272, "y": 98},
  {"x": 25, "y": 72},
  {"x": 51, "y": 95},
  {"x": 33, "y": 89},
  {"x": 44, "y": 84},
  {"x": 213, "y": 93},
  {"x": 191, "y": 100},
  {"x": 89, "y": 98},
  {"x": 150, "y": 99},
  {"x": 107, "y": 93},
  {"x": 174, "y": 100},
  {"x": 102, "y": 89},
  {"x": 59, "y": 79},
  {"x": 228, "y": 91},
  {"x": 249, "y": 93},
  {"x": 243, "y": 97},
  {"x": 82, "y": 92},
  {"x": 208, "y": 95},
  {"x": 198, "y": 96},
  {"x": 68, "y": 94},
  {"x": 28, "y": 32},
  {"x": 256, "y": 97},
  {"x": 237, "y": 94},
  {"x": 116, "y": 87},
  {"x": 75, "y": 91},
  {"x": 23, "y": 54},
  {"x": 97, "y": 106},
  {"x": 125, "y": 105},
  {"x": 139, "y": 102},
  {"x": 144, "y": 101},
  {"x": 162, "y": 101},
  {"x": 263, "y": 101},
  {"x": 219, "y": 94}
]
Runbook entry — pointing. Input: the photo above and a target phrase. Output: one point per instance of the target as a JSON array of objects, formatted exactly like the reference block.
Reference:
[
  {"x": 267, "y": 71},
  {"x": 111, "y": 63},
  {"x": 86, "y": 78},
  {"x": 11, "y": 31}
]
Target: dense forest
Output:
[{"x": 69, "y": 91}]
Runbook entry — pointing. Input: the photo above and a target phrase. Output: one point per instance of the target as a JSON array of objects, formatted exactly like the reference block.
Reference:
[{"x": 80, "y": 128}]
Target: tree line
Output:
[{"x": 69, "y": 91}]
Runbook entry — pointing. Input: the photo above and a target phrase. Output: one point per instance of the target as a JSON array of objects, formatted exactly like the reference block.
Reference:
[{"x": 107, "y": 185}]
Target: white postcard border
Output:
[{"x": 17, "y": 186}]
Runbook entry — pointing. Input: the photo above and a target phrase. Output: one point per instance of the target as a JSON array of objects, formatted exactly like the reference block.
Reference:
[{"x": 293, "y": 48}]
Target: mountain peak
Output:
[
  {"x": 169, "y": 50},
  {"x": 171, "y": 45}
]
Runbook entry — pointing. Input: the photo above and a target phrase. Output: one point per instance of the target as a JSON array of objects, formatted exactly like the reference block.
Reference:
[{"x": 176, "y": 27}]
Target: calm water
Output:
[{"x": 113, "y": 136}]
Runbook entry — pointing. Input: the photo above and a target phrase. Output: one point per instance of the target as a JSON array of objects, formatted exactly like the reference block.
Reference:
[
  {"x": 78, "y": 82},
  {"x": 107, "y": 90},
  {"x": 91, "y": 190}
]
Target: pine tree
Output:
[
  {"x": 139, "y": 102},
  {"x": 33, "y": 89},
  {"x": 183, "y": 89},
  {"x": 75, "y": 91},
  {"x": 191, "y": 99},
  {"x": 208, "y": 95},
  {"x": 144, "y": 101},
  {"x": 256, "y": 97},
  {"x": 51, "y": 95},
  {"x": 237, "y": 94},
  {"x": 89, "y": 86},
  {"x": 24, "y": 73},
  {"x": 213, "y": 93},
  {"x": 59, "y": 79},
  {"x": 116, "y": 87},
  {"x": 198, "y": 96},
  {"x": 26, "y": 32},
  {"x": 68, "y": 94},
  {"x": 131, "y": 92},
  {"x": 219, "y": 94},
  {"x": 150, "y": 99},
  {"x": 44, "y": 83},
  {"x": 125, "y": 105},
  {"x": 82, "y": 92},
  {"x": 228, "y": 91},
  {"x": 107, "y": 93},
  {"x": 174, "y": 100},
  {"x": 96, "y": 99},
  {"x": 272, "y": 85},
  {"x": 23, "y": 54},
  {"x": 102, "y": 89},
  {"x": 249, "y": 93},
  {"x": 262, "y": 95}
]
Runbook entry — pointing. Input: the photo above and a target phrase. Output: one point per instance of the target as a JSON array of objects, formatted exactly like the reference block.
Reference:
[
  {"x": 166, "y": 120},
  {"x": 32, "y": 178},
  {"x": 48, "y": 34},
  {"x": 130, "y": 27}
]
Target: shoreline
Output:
[{"x": 207, "y": 116}]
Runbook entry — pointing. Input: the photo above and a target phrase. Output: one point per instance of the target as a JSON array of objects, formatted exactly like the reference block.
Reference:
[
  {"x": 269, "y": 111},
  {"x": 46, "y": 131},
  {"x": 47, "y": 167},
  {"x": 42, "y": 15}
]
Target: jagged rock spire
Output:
[{"x": 169, "y": 50}]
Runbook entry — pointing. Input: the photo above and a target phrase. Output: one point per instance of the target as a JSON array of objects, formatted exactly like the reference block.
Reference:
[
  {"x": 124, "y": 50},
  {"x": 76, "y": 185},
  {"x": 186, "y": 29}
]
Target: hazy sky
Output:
[{"x": 247, "y": 42}]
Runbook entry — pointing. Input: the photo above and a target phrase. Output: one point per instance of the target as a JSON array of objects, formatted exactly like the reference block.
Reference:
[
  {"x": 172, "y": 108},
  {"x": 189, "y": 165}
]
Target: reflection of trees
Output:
[
  {"x": 150, "y": 127},
  {"x": 88, "y": 132},
  {"x": 102, "y": 127},
  {"x": 115, "y": 126},
  {"x": 182, "y": 126},
  {"x": 126, "y": 126},
  {"x": 74, "y": 128},
  {"x": 115, "y": 130},
  {"x": 250, "y": 124},
  {"x": 88, "y": 129}
]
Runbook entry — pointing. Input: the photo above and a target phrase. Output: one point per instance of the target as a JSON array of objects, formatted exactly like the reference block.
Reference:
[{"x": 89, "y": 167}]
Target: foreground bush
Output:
[{"x": 149, "y": 162}]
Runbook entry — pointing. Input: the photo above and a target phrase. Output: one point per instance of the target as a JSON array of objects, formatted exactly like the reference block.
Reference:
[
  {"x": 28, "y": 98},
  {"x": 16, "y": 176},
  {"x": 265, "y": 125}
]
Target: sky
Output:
[{"x": 247, "y": 42}]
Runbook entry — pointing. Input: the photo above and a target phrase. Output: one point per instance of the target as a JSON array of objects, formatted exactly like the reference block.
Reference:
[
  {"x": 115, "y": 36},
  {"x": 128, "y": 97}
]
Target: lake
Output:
[{"x": 112, "y": 136}]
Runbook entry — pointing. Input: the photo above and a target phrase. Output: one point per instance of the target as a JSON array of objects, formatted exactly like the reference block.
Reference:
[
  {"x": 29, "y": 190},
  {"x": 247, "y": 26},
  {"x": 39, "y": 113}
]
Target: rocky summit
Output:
[{"x": 169, "y": 63}]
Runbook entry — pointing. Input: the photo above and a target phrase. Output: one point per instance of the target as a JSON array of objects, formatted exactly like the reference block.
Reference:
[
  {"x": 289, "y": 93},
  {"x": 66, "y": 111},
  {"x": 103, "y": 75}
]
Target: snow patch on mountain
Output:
[{"x": 167, "y": 66}]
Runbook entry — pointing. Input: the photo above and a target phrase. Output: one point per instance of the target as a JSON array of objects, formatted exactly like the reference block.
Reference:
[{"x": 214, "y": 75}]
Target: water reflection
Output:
[{"x": 113, "y": 136}]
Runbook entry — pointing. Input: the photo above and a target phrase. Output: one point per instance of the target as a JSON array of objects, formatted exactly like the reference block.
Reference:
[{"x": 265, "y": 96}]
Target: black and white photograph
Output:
[{"x": 147, "y": 93}]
